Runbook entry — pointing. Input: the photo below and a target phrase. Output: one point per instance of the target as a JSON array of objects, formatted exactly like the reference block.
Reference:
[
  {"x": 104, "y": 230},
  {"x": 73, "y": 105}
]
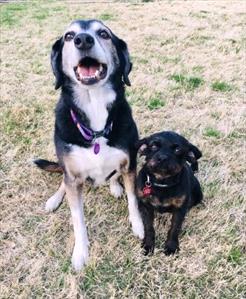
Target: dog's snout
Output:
[
  {"x": 161, "y": 158},
  {"x": 84, "y": 41}
]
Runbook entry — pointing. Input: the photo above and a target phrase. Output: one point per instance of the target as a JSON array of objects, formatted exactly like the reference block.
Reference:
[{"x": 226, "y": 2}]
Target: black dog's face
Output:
[
  {"x": 88, "y": 53},
  {"x": 166, "y": 153}
]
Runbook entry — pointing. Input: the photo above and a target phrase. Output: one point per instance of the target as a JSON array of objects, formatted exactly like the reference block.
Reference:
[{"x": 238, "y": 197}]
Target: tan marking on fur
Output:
[
  {"x": 54, "y": 168},
  {"x": 129, "y": 181},
  {"x": 124, "y": 165},
  {"x": 177, "y": 201},
  {"x": 140, "y": 193}
]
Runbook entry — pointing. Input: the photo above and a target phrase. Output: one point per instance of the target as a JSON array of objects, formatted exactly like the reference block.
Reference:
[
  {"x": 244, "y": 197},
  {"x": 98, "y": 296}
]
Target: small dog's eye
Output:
[
  {"x": 69, "y": 36},
  {"x": 104, "y": 34},
  {"x": 177, "y": 150},
  {"x": 154, "y": 146}
]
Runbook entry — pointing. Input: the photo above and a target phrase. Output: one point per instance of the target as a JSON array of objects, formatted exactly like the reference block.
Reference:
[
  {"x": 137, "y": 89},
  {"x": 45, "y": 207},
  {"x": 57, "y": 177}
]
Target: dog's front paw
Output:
[
  {"x": 171, "y": 247},
  {"x": 53, "y": 202},
  {"x": 137, "y": 226},
  {"x": 148, "y": 247},
  {"x": 80, "y": 257},
  {"x": 116, "y": 189}
]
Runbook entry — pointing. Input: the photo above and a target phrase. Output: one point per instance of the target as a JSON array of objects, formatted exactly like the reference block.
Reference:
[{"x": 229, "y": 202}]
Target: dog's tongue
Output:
[{"x": 87, "y": 71}]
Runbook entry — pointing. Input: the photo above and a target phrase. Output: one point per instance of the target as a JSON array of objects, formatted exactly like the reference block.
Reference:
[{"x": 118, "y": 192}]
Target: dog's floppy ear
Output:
[
  {"x": 125, "y": 63},
  {"x": 56, "y": 62},
  {"x": 193, "y": 155},
  {"x": 142, "y": 146}
]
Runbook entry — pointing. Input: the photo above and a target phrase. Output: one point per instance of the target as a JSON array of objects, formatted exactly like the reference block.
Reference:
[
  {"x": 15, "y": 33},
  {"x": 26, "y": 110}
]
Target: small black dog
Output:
[{"x": 166, "y": 183}]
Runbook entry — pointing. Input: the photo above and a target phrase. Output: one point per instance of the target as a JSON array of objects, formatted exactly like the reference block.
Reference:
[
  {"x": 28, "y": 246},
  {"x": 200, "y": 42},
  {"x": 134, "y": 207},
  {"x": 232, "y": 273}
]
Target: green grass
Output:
[
  {"x": 11, "y": 14},
  {"x": 211, "y": 189},
  {"x": 188, "y": 82},
  {"x": 221, "y": 86},
  {"x": 156, "y": 102},
  {"x": 212, "y": 132},
  {"x": 235, "y": 255},
  {"x": 106, "y": 17}
]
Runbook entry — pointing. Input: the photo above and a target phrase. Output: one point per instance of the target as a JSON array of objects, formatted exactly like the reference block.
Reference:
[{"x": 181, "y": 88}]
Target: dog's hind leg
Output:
[
  {"x": 55, "y": 200},
  {"x": 134, "y": 214},
  {"x": 115, "y": 187},
  {"x": 80, "y": 252}
]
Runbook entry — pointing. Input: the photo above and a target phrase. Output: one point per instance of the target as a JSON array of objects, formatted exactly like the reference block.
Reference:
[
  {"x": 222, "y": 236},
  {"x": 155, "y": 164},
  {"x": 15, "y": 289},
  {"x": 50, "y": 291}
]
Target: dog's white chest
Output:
[
  {"x": 85, "y": 163},
  {"x": 94, "y": 104}
]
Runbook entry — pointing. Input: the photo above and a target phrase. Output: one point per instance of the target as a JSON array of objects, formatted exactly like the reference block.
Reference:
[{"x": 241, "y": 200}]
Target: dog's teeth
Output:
[
  {"x": 97, "y": 74},
  {"x": 101, "y": 68}
]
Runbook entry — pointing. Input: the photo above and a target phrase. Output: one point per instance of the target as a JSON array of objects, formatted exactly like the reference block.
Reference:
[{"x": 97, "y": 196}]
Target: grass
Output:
[
  {"x": 212, "y": 132},
  {"x": 221, "y": 86},
  {"x": 156, "y": 102},
  {"x": 173, "y": 88},
  {"x": 11, "y": 14},
  {"x": 235, "y": 256},
  {"x": 189, "y": 83},
  {"x": 106, "y": 17}
]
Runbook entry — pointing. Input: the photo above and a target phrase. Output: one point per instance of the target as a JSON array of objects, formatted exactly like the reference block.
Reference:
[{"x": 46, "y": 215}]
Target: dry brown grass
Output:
[{"x": 198, "y": 39}]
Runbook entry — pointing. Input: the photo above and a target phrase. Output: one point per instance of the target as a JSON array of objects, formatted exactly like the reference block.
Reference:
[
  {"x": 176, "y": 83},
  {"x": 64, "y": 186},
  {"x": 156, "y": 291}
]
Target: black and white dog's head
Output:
[{"x": 89, "y": 54}]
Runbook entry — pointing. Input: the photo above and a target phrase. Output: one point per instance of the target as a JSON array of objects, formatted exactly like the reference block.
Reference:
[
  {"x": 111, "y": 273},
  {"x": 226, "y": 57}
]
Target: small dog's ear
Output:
[
  {"x": 193, "y": 155},
  {"x": 56, "y": 62},
  {"x": 142, "y": 146},
  {"x": 124, "y": 57}
]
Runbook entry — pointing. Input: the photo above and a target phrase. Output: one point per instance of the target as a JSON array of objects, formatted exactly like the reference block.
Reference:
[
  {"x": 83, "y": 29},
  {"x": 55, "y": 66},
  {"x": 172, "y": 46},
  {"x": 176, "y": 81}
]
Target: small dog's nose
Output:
[
  {"x": 84, "y": 41},
  {"x": 161, "y": 158}
]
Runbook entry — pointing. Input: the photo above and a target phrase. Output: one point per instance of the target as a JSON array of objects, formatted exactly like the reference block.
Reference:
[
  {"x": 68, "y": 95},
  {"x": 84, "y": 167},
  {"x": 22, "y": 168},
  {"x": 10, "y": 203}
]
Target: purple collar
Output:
[{"x": 88, "y": 134}]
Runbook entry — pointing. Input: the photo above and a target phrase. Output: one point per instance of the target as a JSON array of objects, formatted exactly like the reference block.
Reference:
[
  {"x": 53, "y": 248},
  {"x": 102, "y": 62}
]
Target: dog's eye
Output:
[
  {"x": 177, "y": 150},
  {"x": 155, "y": 146},
  {"x": 69, "y": 36},
  {"x": 103, "y": 34}
]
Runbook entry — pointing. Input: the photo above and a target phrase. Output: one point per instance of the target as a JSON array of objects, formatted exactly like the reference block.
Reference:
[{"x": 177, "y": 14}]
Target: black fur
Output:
[{"x": 166, "y": 155}]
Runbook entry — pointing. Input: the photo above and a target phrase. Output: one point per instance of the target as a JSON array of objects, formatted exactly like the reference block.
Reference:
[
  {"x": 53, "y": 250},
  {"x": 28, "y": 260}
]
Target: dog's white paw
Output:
[
  {"x": 53, "y": 202},
  {"x": 116, "y": 189},
  {"x": 137, "y": 226},
  {"x": 80, "y": 257}
]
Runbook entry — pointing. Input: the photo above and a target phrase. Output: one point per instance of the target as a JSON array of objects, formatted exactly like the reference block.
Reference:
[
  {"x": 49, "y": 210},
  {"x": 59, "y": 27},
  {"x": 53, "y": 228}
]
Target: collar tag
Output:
[
  {"x": 96, "y": 148},
  {"x": 147, "y": 190}
]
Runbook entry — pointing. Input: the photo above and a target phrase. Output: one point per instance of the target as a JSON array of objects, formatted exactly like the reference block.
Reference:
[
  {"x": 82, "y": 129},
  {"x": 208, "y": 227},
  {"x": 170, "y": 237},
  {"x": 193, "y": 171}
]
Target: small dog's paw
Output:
[
  {"x": 148, "y": 247},
  {"x": 171, "y": 247},
  {"x": 116, "y": 189},
  {"x": 80, "y": 257},
  {"x": 137, "y": 226},
  {"x": 53, "y": 202}
]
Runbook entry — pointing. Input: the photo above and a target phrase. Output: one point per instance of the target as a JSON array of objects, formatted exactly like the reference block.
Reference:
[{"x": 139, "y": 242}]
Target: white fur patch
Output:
[
  {"x": 86, "y": 163},
  {"x": 80, "y": 256},
  {"x": 94, "y": 103},
  {"x": 54, "y": 201},
  {"x": 135, "y": 217},
  {"x": 115, "y": 188}
]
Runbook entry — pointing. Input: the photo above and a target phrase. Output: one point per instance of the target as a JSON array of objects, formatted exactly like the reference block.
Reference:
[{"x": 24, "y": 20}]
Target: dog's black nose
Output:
[
  {"x": 84, "y": 41},
  {"x": 161, "y": 158}
]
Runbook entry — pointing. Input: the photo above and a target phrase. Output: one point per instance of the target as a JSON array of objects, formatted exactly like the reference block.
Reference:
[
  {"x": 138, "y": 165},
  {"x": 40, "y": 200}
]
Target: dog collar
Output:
[
  {"x": 90, "y": 135},
  {"x": 148, "y": 188}
]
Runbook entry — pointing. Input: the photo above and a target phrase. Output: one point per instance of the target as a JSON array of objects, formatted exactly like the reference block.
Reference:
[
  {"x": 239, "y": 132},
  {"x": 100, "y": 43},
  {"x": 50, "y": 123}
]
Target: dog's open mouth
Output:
[{"x": 90, "y": 71}]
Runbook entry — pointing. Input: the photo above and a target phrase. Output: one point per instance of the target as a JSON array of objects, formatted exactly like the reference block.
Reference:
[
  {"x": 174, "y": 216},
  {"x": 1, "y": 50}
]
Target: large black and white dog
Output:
[{"x": 95, "y": 133}]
